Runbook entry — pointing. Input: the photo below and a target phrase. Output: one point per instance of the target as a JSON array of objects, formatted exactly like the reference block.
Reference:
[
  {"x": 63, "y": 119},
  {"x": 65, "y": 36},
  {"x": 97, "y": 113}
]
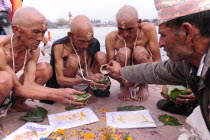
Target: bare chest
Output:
[{"x": 18, "y": 62}]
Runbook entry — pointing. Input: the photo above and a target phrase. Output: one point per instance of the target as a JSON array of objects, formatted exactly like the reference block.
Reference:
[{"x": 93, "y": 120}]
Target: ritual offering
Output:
[
  {"x": 104, "y": 80},
  {"x": 31, "y": 131},
  {"x": 72, "y": 118},
  {"x": 82, "y": 97},
  {"x": 130, "y": 119},
  {"x": 35, "y": 115},
  {"x": 130, "y": 108},
  {"x": 172, "y": 92},
  {"x": 169, "y": 120}
]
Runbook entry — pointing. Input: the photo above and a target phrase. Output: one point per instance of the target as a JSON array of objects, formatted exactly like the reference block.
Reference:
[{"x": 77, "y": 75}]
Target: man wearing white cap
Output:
[{"x": 185, "y": 35}]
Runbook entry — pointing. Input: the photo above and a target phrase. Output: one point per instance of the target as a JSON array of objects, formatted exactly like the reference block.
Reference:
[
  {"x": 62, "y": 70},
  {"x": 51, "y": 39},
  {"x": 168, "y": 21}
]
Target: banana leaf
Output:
[
  {"x": 130, "y": 108},
  {"x": 104, "y": 81},
  {"x": 82, "y": 97},
  {"x": 35, "y": 115},
  {"x": 71, "y": 108},
  {"x": 174, "y": 93},
  {"x": 169, "y": 120}
]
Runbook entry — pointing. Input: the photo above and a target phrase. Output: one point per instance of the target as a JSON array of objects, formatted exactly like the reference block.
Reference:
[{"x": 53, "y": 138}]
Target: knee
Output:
[
  {"x": 141, "y": 55},
  {"x": 6, "y": 79},
  {"x": 123, "y": 53},
  {"x": 44, "y": 69},
  {"x": 100, "y": 57},
  {"x": 72, "y": 62}
]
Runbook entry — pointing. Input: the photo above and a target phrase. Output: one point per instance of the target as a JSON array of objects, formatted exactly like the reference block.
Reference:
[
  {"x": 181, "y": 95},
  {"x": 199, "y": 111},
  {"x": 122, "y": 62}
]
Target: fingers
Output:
[
  {"x": 100, "y": 86},
  {"x": 70, "y": 97},
  {"x": 190, "y": 96},
  {"x": 77, "y": 104},
  {"x": 179, "y": 100},
  {"x": 78, "y": 92},
  {"x": 72, "y": 91}
]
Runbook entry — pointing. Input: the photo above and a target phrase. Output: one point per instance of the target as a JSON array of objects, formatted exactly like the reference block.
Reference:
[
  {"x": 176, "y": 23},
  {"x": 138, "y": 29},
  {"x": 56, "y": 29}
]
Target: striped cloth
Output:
[{"x": 171, "y": 9}]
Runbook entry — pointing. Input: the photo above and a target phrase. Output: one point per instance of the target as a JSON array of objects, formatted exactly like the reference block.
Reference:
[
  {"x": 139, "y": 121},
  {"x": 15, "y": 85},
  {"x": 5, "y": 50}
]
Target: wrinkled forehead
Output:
[
  {"x": 125, "y": 23},
  {"x": 84, "y": 35},
  {"x": 39, "y": 24}
]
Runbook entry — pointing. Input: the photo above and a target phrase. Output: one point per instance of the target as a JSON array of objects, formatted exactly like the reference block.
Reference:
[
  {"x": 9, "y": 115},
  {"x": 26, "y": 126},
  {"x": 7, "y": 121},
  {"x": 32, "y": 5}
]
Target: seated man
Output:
[
  {"x": 20, "y": 51},
  {"x": 133, "y": 43},
  {"x": 76, "y": 60},
  {"x": 184, "y": 104}
]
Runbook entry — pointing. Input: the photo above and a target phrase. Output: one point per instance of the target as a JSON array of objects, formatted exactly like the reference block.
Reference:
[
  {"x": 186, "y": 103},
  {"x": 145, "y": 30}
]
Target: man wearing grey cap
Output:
[{"x": 185, "y": 35}]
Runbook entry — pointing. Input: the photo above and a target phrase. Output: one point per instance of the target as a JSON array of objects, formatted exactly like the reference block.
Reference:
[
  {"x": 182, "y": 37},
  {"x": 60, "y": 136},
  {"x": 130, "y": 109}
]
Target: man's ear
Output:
[
  {"x": 139, "y": 23},
  {"x": 187, "y": 31},
  {"x": 70, "y": 34},
  {"x": 16, "y": 30}
]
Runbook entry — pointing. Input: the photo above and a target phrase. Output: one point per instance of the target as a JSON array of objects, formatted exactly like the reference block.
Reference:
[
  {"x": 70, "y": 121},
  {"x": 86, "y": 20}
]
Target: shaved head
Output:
[
  {"x": 81, "y": 24},
  {"x": 26, "y": 16},
  {"x": 127, "y": 13}
]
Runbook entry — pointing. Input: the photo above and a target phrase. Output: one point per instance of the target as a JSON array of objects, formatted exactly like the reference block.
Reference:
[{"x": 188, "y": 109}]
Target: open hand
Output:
[{"x": 64, "y": 96}]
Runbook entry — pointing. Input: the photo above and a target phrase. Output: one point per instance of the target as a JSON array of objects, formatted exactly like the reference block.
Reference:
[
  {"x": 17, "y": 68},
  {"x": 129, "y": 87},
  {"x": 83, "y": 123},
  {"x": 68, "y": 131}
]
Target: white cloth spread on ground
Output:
[{"x": 130, "y": 118}]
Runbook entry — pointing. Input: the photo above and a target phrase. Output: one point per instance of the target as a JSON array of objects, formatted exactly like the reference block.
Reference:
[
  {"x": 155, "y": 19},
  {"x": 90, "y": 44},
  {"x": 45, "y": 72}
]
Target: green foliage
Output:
[
  {"x": 169, "y": 120},
  {"x": 82, "y": 97},
  {"x": 71, "y": 108},
  {"x": 130, "y": 108},
  {"x": 35, "y": 115},
  {"x": 174, "y": 93},
  {"x": 125, "y": 136},
  {"x": 104, "y": 81}
]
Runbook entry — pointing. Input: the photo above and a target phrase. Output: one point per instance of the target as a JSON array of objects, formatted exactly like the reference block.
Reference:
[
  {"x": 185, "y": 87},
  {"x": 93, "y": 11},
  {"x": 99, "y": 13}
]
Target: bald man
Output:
[
  {"x": 19, "y": 53},
  {"x": 133, "y": 43},
  {"x": 76, "y": 60}
]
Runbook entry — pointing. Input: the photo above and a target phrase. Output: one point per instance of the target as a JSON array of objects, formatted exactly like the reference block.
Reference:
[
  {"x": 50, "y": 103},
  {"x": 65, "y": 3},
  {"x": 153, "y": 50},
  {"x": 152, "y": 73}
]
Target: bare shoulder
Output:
[
  {"x": 4, "y": 40},
  {"x": 112, "y": 36},
  {"x": 59, "y": 46},
  {"x": 148, "y": 26}
]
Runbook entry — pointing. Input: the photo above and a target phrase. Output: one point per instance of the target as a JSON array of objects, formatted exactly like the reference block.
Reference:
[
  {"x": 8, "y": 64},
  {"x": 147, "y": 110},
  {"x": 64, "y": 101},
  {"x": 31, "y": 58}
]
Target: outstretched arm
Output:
[{"x": 34, "y": 91}]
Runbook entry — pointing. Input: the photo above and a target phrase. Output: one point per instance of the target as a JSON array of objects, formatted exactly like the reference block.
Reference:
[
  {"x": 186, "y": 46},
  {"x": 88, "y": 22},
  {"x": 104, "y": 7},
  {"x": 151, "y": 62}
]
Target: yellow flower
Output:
[
  {"x": 103, "y": 137},
  {"x": 62, "y": 131},
  {"x": 129, "y": 138},
  {"x": 88, "y": 136},
  {"x": 8, "y": 131},
  {"x": 167, "y": 119}
]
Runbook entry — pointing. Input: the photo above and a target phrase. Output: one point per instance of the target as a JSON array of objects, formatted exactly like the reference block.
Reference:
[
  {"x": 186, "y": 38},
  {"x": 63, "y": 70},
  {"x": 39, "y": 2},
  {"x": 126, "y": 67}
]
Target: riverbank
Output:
[{"x": 12, "y": 122}]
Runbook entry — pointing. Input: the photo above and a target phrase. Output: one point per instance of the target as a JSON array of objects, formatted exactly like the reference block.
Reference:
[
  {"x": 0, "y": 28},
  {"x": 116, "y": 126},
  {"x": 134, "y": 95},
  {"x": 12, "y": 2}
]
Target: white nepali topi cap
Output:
[{"x": 171, "y": 9}]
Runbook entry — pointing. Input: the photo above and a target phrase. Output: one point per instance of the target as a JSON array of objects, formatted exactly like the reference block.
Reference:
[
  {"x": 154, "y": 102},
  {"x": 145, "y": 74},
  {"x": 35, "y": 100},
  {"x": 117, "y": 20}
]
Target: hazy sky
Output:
[{"x": 104, "y": 10}]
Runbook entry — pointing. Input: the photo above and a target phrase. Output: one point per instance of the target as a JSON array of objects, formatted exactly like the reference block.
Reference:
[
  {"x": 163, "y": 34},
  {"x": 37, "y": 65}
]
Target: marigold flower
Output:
[
  {"x": 62, "y": 131},
  {"x": 129, "y": 138}
]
